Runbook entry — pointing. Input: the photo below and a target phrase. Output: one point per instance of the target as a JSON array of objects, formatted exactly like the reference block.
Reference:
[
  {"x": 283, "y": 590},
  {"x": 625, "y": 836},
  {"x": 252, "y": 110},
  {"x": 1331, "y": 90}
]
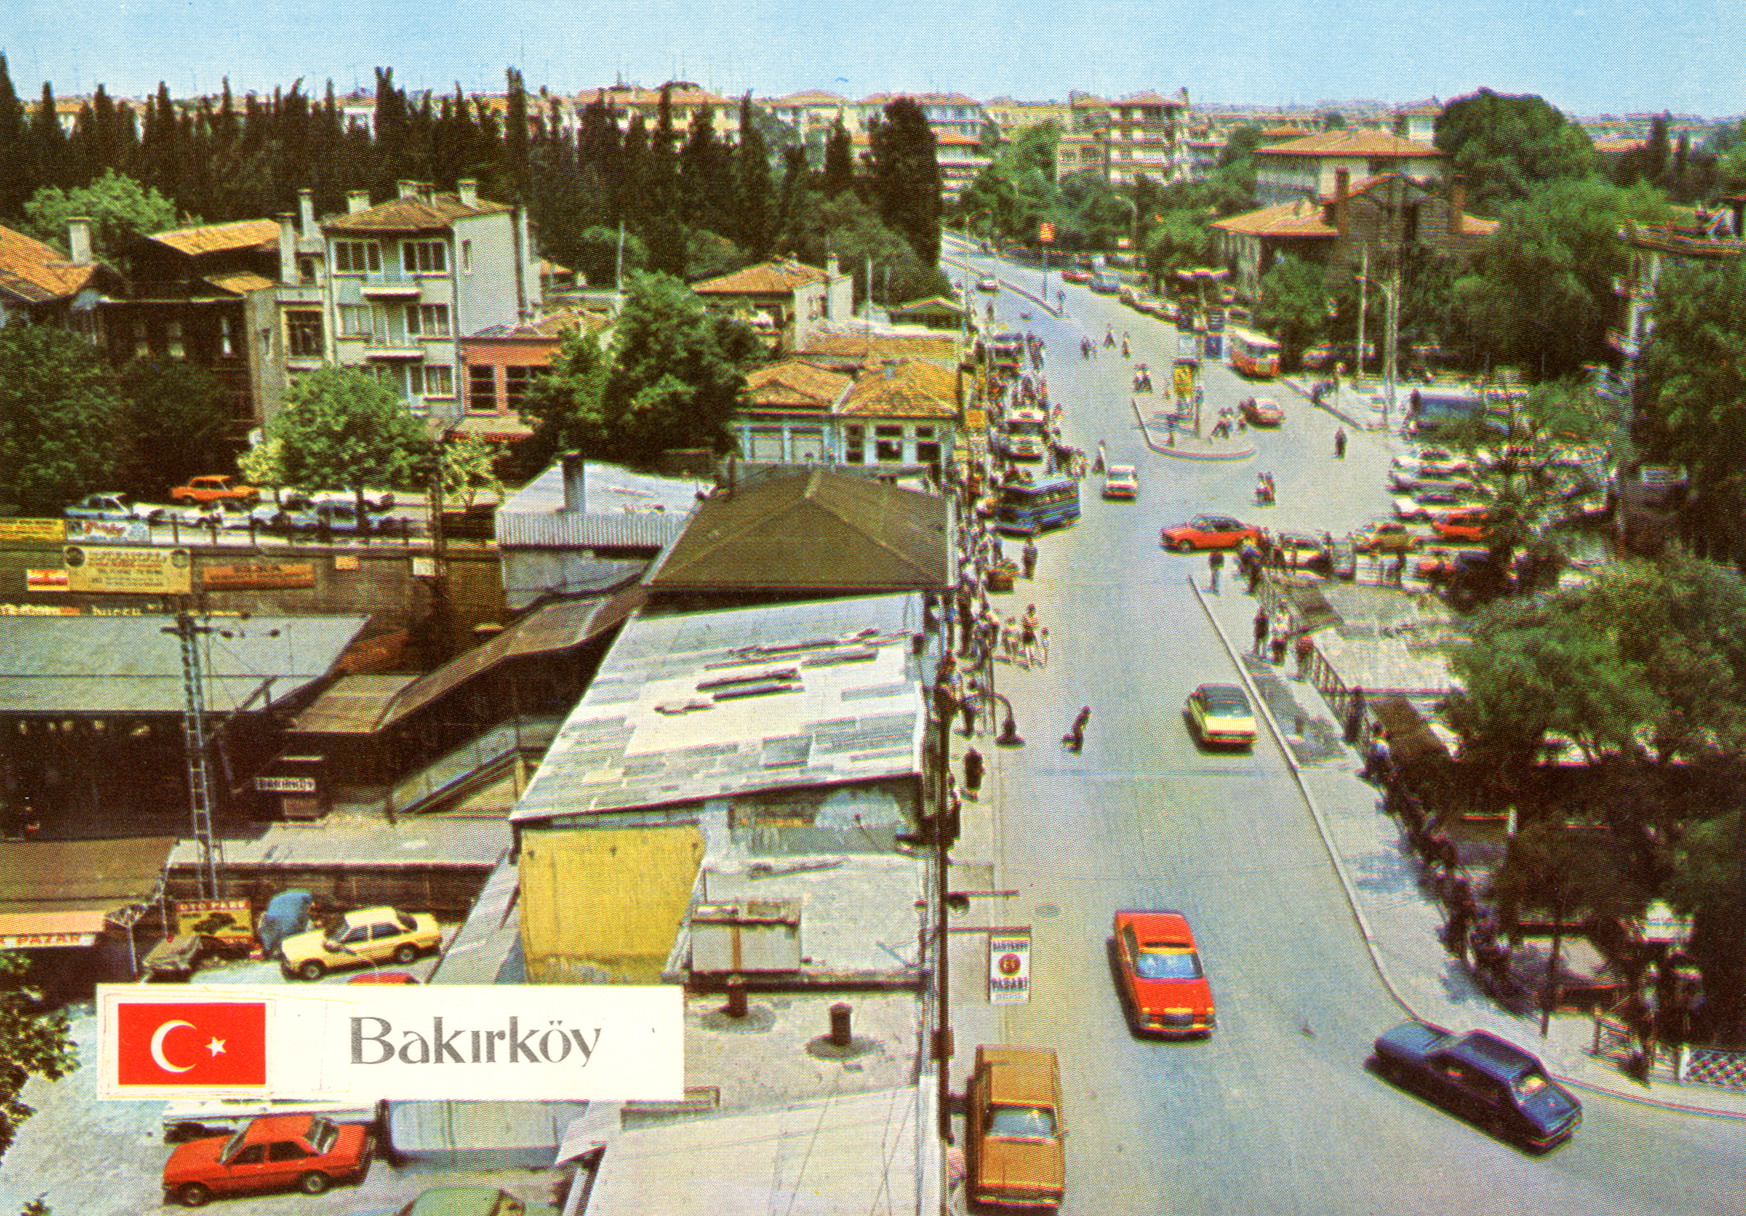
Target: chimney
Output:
[
  {"x": 469, "y": 191},
  {"x": 574, "y": 481},
  {"x": 287, "y": 249},
  {"x": 306, "y": 213},
  {"x": 1342, "y": 190},
  {"x": 356, "y": 201},
  {"x": 1457, "y": 203},
  {"x": 79, "y": 240},
  {"x": 405, "y": 189}
]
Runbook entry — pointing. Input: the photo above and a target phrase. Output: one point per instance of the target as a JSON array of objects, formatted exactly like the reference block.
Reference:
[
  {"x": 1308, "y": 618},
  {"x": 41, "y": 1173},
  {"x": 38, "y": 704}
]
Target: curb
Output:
[
  {"x": 1178, "y": 453},
  {"x": 1012, "y": 287}
]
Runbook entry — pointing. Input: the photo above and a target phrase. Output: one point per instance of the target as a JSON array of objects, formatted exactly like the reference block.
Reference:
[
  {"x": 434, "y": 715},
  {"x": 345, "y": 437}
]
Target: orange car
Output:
[
  {"x": 1208, "y": 532},
  {"x": 215, "y": 487},
  {"x": 273, "y": 1153},
  {"x": 1164, "y": 987},
  {"x": 1462, "y": 526}
]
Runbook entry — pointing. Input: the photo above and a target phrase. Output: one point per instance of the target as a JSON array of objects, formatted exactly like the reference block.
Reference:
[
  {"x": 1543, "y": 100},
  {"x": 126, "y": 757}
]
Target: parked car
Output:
[
  {"x": 1016, "y": 1154},
  {"x": 1384, "y": 536},
  {"x": 112, "y": 507},
  {"x": 276, "y": 1152},
  {"x": 328, "y": 516},
  {"x": 1428, "y": 505},
  {"x": 1208, "y": 532},
  {"x": 1075, "y": 275},
  {"x": 1220, "y": 716},
  {"x": 1163, "y": 985},
  {"x": 1403, "y": 482},
  {"x": 370, "y": 935},
  {"x": 1303, "y": 551},
  {"x": 1122, "y": 481},
  {"x": 988, "y": 283},
  {"x": 472, "y": 1201},
  {"x": 1262, "y": 411},
  {"x": 1487, "y": 1079},
  {"x": 1432, "y": 462},
  {"x": 1469, "y": 526},
  {"x": 215, "y": 487}
]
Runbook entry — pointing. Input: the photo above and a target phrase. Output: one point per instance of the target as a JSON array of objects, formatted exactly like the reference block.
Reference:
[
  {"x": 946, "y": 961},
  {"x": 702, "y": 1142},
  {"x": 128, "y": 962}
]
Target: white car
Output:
[
  {"x": 1122, "y": 481},
  {"x": 1431, "y": 462},
  {"x": 988, "y": 283},
  {"x": 1428, "y": 506}
]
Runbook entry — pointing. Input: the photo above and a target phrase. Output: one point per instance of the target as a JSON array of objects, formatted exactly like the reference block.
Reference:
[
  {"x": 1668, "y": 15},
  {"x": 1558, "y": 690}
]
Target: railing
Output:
[{"x": 452, "y": 772}]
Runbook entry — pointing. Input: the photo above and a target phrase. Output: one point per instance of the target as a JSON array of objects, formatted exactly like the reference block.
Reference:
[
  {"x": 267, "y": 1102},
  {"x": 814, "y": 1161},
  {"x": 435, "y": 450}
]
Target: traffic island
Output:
[{"x": 1181, "y": 444}]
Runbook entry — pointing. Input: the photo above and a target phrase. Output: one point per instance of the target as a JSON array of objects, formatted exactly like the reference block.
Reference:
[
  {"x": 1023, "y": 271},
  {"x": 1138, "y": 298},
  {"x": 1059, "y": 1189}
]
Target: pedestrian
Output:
[
  {"x": 972, "y": 772},
  {"x": 1260, "y": 629},
  {"x": 1277, "y": 649},
  {"x": 1075, "y": 736},
  {"x": 1028, "y": 555},
  {"x": 1339, "y": 443},
  {"x": 1355, "y": 714},
  {"x": 1215, "y": 562},
  {"x": 1376, "y": 759},
  {"x": 1305, "y": 648},
  {"x": 970, "y": 703},
  {"x": 1397, "y": 569},
  {"x": 1042, "y": 655}
]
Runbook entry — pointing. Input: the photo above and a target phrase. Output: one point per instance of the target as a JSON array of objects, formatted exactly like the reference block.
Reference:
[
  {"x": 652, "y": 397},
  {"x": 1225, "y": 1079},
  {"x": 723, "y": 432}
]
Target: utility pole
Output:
[
  {"x": 1363, "y": 303},
  {"x": 194, "y": 744}
]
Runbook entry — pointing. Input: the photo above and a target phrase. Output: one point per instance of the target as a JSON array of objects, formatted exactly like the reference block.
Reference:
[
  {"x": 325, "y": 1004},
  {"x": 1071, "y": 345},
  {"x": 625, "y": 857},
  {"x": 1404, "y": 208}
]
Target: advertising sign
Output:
[
  {"x": 136, "y": 571},
  {"x": 54, "y": 531},
  {"x": 1009, "y": 966},
  {"x": 1183, "y": 380},
  {"x": 225, "y": 919},
  {"x": 257, "y": 576},
  {"x": 109, "y": 531},
  {"x": 45, "y": 580},
  {"x": 1046, "y": 232},
  {"x": 365, "y": 1042}
]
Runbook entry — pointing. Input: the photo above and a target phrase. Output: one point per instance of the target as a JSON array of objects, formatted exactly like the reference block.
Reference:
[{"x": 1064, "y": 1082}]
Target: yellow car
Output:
[
  {"x": 370, "y": 935},
  {"x": 1221, "y": 717}
]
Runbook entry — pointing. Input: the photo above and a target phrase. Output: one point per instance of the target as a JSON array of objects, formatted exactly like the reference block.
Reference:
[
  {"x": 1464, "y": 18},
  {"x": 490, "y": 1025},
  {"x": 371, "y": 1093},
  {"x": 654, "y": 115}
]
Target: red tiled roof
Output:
[
  {"x": 217, "y": 238},
  {"x": 914, "y": 389},
  {"x": 795, "y": 383},
  {"x": 764, "y": 279},
  {"x": 811, "y": 97},
  {"x": 35, "y": 272},
  {"x": 1300, "y": 218},
  {"x": 1151, "y": 97},
  {"x": 1350, "y": 143},
  {"x": 412, "y": 215}
]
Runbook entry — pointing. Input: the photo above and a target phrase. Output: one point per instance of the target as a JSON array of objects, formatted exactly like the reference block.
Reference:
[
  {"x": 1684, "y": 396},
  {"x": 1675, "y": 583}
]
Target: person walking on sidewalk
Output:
[
  {"x": 1028, "y": 557},
  {"x": 1339, "y": 443},
  {"x": 973, "y": 769},
  {"x": 1075, "y": 736},
  {"x": 1260, "y": 630},
  {"x": 1215, "y": 562}
]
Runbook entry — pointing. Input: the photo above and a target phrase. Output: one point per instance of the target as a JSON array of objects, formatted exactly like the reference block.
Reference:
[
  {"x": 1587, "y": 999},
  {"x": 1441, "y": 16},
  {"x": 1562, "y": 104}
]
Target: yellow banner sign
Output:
[
  {"x": 228, "y": 919},
  {"x": 128, "y": 570},
  {"x": 54, "y": 531},
  {"x": 1184, "y": 382},
  {"x": 257, "y": 576}
]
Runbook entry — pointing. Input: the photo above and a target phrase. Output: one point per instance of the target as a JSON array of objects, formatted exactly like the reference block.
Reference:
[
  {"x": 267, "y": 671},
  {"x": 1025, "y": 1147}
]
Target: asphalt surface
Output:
[{"x": 1277, "y": 1112}]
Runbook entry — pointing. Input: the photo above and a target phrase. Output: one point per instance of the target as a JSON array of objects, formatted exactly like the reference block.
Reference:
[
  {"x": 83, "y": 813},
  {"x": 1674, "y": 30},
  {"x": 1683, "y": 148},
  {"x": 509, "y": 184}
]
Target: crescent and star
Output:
[{"x": 216, "y": 1046}]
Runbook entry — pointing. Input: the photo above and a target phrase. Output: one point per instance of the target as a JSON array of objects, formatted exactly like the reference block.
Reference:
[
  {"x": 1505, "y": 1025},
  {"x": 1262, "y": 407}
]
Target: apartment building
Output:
[
  {"x": 1306, "y": 168},
  {"x": 1143, "y": 135}
]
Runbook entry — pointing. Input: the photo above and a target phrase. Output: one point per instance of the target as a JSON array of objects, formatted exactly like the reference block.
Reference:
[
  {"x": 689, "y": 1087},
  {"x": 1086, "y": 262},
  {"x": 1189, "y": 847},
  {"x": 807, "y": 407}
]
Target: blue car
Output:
[{"x": 1488, "y": 1080}]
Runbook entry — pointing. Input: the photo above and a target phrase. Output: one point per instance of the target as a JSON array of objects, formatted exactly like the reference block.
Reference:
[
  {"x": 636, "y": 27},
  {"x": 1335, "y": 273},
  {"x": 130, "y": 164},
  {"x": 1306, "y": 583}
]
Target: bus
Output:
[
  {"x": 1026, "y": 435},
  {"x": 1253, "y": 354},
  {"x": 1027, "y": 508}
]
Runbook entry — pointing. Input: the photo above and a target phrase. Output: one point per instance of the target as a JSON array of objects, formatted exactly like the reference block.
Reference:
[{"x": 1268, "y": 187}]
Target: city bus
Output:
[
  {"x": 1026, "y": 435},
  {"x": 1026, "y": 509},
  {"x": 1252, "y": 354}
]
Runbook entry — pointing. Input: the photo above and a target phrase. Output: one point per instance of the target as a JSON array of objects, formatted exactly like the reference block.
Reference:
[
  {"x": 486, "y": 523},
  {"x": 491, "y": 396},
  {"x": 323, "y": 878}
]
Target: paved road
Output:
[{"x": 1276, "y": 1112}]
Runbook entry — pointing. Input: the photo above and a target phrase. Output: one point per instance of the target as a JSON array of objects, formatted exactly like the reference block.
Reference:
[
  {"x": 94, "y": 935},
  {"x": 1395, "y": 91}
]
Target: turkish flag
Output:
[{"x": 195, "y": 1043}]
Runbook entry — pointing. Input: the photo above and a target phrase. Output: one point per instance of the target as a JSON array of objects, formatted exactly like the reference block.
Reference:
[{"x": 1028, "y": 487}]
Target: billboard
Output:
[
  {"x": 128, "y": 570},
  {"x": 367, "y": 1042},
  {"x": 109, "y": 531},
  {"x": 1009, "y": 966}
]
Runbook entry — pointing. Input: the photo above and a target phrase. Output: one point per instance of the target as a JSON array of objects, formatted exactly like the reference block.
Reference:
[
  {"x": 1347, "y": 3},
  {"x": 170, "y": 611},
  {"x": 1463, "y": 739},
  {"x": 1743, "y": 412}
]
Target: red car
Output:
[
  {"x": 1164, "y": 987},
  {"x": 1209, "y": 532},
  {"x": 1462, "y": 526},
  {"x": 1262, "y": 411},
  {"x": 272, "y": 1153}
]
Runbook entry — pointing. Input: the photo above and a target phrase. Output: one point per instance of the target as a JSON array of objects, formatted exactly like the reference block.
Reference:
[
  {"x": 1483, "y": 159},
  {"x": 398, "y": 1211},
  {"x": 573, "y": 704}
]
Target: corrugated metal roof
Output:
[
  {"x": 812, "y": 530},
  {"x": 129, "y": 664},
  {"x": 55, "y": 877},
  {"x": 689, "y": 706},
  {"x": 621, "y": 509}
]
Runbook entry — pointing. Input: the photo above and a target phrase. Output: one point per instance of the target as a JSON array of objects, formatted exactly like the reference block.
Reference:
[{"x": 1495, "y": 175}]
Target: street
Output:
[{"x": 1276, "y": 1112}]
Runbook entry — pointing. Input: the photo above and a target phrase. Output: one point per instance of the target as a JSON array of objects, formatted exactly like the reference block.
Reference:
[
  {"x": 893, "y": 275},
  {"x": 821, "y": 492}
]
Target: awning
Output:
[
  {"x": 57, "y": 893},
  {"x": 44, "y": 930}
]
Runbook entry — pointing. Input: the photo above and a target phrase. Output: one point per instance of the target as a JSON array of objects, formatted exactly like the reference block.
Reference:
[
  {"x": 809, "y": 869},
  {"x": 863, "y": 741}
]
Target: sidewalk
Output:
[
  {"x": 1181, "y": 444},
  {"x": 1400, "y": 920}
]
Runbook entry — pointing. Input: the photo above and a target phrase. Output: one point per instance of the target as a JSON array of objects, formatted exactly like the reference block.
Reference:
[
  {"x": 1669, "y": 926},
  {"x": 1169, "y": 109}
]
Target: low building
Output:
[
  {"x": 931, "y": 312},
  {"x": 1712, "y": 237},
  {"x": 40, "y": 283},
  {"x": 1307, "y": 167},
  {"x": 789, "y": 302},
  {"x": 902, "y": 417},
  {"x": 499, "y": 363},
  {"x": 789, "y": 413}
]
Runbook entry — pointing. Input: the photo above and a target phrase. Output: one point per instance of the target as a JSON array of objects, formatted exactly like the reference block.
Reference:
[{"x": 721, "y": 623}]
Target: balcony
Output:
[
  {"x": 391, "y": 287},
  {"x": 386, "y": 349}
]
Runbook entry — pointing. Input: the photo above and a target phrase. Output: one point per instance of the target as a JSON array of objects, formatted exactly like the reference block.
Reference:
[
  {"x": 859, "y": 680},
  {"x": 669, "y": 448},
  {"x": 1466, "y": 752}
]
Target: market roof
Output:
[
  {"x": 812, "y": 530},
  {"x": 1352, "y": 142},
  {"x": 35, "y": 272},
  {"x": 410, "y": 213},
  {"x": 220, "y": 238},
  {"x": 133, "y": 664},
  {"x": 363, "y": 704},
  {"x": 764, "y": 279},
  {"x": 69, "y": 886},
  {"x": 1298, "y": 218},
  {"x": 910, "y": 389},
  {"x": 695, "y": 705}
]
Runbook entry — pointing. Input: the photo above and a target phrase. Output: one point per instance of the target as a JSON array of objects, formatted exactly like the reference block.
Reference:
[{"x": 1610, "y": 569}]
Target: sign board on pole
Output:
[
  {"x": 1046, "y": 232},
  {"x": 1009, "y": 966}
]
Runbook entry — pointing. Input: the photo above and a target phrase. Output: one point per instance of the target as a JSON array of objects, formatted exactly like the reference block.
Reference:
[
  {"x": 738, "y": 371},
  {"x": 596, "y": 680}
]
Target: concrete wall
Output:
[
  {"x": 605, "y": 905},
  {"x": 446, "y": 891}
]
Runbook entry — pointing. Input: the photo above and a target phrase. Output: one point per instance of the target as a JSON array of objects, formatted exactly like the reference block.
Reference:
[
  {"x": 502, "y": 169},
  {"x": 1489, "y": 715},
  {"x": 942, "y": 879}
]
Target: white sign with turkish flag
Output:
[
  {"x": 368, "y": 1042},
  {"x": 1009, "y": 966}
]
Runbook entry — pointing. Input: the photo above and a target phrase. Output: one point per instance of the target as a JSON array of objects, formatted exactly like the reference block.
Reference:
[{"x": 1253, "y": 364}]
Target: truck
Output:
[{"x": 1015, "y": 1153}]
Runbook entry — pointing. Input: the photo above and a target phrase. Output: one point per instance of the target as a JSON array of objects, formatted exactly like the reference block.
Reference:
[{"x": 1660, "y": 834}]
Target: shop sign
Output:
[{"x": 129, "y": 570}]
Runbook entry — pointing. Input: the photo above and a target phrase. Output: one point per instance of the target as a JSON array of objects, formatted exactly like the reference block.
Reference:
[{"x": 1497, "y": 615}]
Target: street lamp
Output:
[
  {"x": 1391, "y": 335},
  {"x": 1008, "y": 736}
]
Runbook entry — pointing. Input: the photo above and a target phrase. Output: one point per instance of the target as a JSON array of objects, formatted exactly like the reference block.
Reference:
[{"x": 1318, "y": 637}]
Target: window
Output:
[
  {"x": 425, "y": 257},
  {"x": 226, "y": 337},
  {"x": 427, "y": 320},
  {"x": 249, "y": 1154},
  {"x": 303, "y": 332},
  {"x": 854, "y": 438},
  {"x": 142, "y": 340},
  {"x": 357, "y": 321},
  {"x": 357, "y": 257},
  {"x": 431, "y": 380},
  {"x": 482, "y": 389},
  {"x": 467, "y": 257},
  {"x": 306, "y": 271},
  {"x": 286, "y": 1150},
  {"x": 515, "y": 385},
  {"x": 888, "y": 444}
]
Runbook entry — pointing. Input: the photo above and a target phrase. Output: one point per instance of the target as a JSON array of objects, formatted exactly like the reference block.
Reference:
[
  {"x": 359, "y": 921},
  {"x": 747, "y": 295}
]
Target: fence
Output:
[{"x": 1683, "y": 1064}]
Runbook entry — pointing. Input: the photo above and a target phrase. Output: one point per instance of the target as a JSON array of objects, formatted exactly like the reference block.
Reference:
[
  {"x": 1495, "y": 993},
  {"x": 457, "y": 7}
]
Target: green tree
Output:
[
  {"x": 61, "y": 432},
  {"x": 17, "y": 167},
  {"x": 1541, "y": 295},
  {"x": 1690, "y": 398},
  {"x": 566, "y": 403},
  {"x": 1563, "y": 872},
  {"x": 1510, "y": 146},
  {"x": 1295, "y": 304},
  {"x": 754, "y": 202},
  {"x": 342, "y": 428},
  {"x": 839, "y": 160},
  {"x": 118, "y": 207},
  {"x": 906, "y": 176},
  {"x": 177, "y": 422},
  {"x": 469, "y": 468},
  {"x": 1709, "y": 884},
  {"x": 32, "y": 1043}
]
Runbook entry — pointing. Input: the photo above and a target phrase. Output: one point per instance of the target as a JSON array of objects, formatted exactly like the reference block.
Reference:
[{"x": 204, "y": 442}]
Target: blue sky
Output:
[{"x": 1584, "y": 56}]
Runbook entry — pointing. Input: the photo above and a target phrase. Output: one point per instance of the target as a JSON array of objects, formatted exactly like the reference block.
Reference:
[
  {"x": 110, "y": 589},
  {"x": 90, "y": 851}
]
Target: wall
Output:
[{"x": 486, "y": 295}]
